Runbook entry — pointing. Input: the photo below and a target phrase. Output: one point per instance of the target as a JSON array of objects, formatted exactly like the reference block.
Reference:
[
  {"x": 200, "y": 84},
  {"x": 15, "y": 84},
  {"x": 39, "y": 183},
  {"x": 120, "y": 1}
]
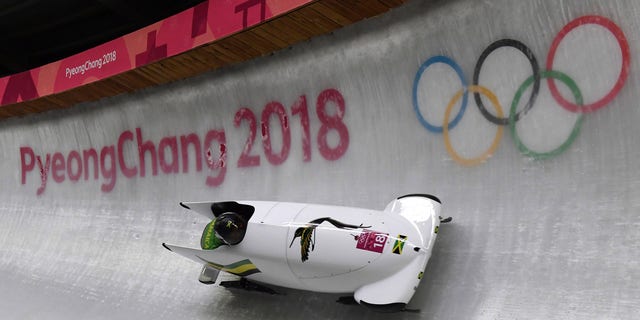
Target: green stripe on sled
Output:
[{"x": 241, "y": 268}]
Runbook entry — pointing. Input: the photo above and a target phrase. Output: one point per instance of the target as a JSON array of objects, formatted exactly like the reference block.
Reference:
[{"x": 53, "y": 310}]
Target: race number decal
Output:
[{"x": 372, "y": 241}]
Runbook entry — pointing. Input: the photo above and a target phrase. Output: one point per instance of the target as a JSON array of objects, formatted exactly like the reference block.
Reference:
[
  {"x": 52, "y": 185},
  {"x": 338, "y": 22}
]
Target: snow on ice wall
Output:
[{"x": 545, "y": 208}]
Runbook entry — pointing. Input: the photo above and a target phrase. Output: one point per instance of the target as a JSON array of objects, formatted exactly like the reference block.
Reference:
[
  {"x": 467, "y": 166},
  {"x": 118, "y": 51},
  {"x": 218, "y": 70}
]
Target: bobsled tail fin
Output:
[
  {"x": 202, "y": 208},
  {"x": 239, "y": 266},
  {"x": 191, "y": 254},
  {"x": 208, "y": 275}
]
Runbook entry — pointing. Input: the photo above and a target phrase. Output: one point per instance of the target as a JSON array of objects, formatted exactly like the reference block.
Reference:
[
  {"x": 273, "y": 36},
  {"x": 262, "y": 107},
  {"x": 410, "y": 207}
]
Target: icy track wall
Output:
[{"x": 521, "y": 116}]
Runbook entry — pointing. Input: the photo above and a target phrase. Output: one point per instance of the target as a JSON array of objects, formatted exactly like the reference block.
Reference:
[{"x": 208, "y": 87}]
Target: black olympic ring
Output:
[{"x": 536, "y": 78}]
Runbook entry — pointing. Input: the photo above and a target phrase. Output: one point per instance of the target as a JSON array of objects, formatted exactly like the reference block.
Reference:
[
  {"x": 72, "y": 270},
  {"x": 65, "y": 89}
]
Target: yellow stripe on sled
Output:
[{"x": 241, "y": 268}]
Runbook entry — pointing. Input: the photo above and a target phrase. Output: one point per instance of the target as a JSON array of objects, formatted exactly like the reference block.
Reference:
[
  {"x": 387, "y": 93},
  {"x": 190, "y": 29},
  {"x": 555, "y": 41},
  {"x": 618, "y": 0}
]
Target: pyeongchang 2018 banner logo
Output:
[
  {"x": 274, "y": 132},
  {"x": 608, "y": 38}
]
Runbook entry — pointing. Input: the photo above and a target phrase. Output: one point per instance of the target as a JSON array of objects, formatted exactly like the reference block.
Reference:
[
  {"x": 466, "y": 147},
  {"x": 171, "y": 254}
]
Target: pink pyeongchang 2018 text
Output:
[{"x": 176, "y": 154}]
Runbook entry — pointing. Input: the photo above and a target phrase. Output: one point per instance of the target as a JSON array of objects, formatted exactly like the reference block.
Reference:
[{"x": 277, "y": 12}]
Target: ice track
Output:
[{"x": 546, "y": 211}]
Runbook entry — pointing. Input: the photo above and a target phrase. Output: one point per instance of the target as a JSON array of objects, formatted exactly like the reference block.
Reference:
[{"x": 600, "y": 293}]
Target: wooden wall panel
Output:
[{"x": 316, "y": 18}]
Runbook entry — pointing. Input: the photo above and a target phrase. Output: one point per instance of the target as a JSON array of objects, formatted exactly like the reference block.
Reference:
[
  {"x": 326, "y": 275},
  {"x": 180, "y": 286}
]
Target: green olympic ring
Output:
[{"x": 574, "y": 132}]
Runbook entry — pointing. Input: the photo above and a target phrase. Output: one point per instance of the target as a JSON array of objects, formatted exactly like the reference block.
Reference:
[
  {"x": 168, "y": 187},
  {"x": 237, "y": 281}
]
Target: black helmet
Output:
[{"x": 230, "y": 227}]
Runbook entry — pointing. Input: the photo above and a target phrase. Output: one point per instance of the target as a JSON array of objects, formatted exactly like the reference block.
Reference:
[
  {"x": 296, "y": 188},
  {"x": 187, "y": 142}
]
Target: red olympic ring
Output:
[{"x": 624, "y": 71}]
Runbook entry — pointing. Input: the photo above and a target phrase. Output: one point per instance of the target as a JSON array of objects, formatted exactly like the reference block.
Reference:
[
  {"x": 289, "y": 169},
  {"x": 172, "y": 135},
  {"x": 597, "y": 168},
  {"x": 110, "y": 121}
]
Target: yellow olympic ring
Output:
[{"x": 445, "y": 127}]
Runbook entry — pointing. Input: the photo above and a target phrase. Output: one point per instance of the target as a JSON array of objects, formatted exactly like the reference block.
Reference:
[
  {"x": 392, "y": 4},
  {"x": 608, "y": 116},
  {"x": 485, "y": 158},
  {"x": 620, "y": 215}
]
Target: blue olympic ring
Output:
[{"x": 448, "y": 61}]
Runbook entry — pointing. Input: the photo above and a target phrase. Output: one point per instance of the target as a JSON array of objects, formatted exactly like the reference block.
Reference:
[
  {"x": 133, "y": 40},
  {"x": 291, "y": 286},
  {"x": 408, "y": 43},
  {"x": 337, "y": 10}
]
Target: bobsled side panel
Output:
[
  {"x": 324, "y": 241},
  {"x": 341, "y": 263},
  {"x": 395, "y": 289}
]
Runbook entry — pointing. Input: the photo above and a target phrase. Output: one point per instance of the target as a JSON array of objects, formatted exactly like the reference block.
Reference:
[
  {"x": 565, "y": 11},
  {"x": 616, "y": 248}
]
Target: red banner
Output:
[{"x": 184, "y": 31}]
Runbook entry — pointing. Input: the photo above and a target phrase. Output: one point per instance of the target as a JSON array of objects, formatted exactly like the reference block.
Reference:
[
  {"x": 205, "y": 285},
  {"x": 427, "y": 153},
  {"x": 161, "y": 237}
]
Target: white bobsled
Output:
[{"x": 378, "y": 256}]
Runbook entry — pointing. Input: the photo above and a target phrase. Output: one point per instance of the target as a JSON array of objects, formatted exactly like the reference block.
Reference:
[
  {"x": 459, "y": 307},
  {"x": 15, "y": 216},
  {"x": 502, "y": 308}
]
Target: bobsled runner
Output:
[{"x": 378, "y": 257}]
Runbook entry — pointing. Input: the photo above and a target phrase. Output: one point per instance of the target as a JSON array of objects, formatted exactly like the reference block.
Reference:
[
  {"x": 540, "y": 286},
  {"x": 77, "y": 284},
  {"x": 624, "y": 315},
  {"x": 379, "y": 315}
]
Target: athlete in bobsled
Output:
[
  {"x": 378, "y": 257},
  {"x": 229, "y": 228}
]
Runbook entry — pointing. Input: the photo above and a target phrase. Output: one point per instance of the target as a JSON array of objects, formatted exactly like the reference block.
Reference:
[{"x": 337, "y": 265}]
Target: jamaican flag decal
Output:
[
  {"x": 399, "y": 244},
  {"x": 241, "y": 268}
]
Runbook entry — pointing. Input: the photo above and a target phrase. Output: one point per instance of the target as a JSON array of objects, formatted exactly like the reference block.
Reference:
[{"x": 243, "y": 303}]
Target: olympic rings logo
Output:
[{"x": 577, "y": 106}]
